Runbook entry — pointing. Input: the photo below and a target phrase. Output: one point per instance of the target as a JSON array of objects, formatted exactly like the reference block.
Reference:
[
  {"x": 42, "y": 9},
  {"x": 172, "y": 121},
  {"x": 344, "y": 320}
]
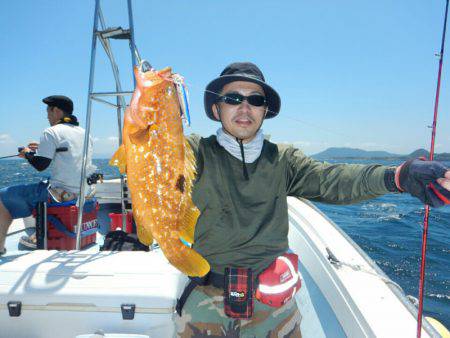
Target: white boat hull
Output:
[{"x": 81, "y": 292}]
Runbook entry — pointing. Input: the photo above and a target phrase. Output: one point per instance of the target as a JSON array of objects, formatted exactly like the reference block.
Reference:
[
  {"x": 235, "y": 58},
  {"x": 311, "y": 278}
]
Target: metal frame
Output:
[
  {"x": 44, "y": 221},
  {"x": 104, "y": 35}
]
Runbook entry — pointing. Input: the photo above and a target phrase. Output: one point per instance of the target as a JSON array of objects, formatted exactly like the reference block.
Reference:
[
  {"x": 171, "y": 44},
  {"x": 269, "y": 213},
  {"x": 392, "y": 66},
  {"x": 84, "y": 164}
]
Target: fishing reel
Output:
[
  {"x": 94, "y": 178},
  {"x": 19, "y": 150}
]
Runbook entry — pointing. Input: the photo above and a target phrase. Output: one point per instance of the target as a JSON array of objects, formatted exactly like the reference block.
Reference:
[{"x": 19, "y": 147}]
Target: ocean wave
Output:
[
  {"x": 439, "y": 296},
  {"x": 388, "y": 205},
  {"x": 392, "y": 217},
  {"x": 379, "y": 206}
]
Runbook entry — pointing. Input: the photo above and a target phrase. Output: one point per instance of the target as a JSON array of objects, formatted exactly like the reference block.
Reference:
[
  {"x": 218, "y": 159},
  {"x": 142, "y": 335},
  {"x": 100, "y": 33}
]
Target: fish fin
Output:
[
  {"x": 189, "y": 221},
  {"x": 144, "y": 236},
  {"x": 119, "y": 159},
  {"x": 184, "y": 184},
  {"x": 190, "y": 166},
  {"x": 137, "y": 76},
  {"x": 143, "y": 222},
  {"x": 140, "y": 137}
]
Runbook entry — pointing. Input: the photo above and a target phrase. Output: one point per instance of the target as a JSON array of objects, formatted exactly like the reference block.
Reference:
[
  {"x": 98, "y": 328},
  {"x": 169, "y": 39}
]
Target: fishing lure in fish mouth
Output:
[
  {"x": 160, "y": 167},
  {"x": 180, "y": 86},
  {"x": 145, "y": 66},
  {"x": 183, "y": 97}
]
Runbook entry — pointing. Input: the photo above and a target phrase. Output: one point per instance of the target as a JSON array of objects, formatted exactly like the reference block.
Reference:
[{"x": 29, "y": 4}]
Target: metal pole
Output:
[
  {"x": 44, "y": 216},
  {"x": 81, "y": 197},
  {"x": 110, "y": 94},
  {"x": 133, "y": 65},
  {"x": 132, "y": 44},
  {"x": 133, "y": 61},
  {"x": 104, "y": 102},
  {"x": 115, "y": 69},
  {"x": 120, "y": 105}
]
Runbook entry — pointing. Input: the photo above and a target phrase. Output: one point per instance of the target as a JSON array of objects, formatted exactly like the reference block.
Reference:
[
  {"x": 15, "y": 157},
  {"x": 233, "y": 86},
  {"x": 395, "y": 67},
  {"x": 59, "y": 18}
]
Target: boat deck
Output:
[
  {"x": 317, "y": 315},
  {"x": 354, "y": 299}
]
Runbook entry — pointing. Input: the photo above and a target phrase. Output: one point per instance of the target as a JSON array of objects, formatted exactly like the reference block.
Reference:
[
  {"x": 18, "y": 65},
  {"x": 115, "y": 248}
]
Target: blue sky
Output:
[{"x": 349, "y": 73}]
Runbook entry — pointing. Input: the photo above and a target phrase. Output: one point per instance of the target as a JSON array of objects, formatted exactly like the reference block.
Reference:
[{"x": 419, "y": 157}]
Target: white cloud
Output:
[
  {"x": 302, "y": 144},
  {"x": 6, "y": 138},
  {"x": 105, "y": 146}
]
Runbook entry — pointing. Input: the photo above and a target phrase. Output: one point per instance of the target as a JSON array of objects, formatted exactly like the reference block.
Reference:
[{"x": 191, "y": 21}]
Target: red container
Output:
[
  {"x": 116, "y": 222},
  {"x": 67, "y": 215}
]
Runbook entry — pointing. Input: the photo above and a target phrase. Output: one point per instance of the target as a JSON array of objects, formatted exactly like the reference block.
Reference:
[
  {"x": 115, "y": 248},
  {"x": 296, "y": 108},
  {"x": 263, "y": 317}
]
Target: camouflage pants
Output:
[{"x": 203, "y": 316}]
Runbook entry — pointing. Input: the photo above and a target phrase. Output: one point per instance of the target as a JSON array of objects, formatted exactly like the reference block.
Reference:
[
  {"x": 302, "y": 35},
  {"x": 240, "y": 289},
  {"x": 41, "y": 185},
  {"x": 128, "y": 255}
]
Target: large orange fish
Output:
[{"x": 160, "y": 167}]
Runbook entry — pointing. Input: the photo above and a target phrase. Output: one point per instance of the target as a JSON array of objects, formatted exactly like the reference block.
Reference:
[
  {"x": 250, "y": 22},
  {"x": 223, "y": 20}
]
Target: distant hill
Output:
[
  {"x": 426, "y": 154},
  {"x": 419, "y": 153},
  {"x": 331, "y": 153},
  {"x": 443, "y": 157},
  {"x": 353, "y": 153}
]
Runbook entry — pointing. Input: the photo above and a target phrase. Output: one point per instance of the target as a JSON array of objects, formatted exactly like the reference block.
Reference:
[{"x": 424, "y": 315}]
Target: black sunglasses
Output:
[{"x": 236, "y": 99}]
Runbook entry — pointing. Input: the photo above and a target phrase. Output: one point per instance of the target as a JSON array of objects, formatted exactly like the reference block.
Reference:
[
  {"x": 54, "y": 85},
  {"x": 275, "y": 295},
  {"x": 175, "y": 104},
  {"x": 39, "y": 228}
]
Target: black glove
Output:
[{"x": 418, "y": 177}]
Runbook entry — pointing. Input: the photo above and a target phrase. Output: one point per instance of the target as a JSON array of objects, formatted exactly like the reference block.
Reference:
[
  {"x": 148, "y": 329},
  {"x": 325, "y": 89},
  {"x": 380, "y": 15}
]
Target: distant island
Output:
[{"x": 353, "y": 153}]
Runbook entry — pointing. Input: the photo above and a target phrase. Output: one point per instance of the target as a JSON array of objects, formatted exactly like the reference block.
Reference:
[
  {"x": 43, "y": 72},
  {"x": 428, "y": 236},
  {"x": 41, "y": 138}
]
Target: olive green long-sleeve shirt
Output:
[{"x": 244, "y": 223}]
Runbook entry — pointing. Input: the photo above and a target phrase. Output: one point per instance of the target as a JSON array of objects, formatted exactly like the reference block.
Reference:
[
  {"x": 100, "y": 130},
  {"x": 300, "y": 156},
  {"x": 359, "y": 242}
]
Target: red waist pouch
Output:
[{"x": 280, "y": 281}]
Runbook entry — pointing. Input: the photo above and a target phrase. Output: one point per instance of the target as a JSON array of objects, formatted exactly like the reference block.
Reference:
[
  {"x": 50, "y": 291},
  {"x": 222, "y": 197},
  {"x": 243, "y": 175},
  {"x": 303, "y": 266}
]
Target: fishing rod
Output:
[
  {"x": 9, "y": 156},
  {"x": 427, "y": 208},
  {"x": 58, "y": 150}
]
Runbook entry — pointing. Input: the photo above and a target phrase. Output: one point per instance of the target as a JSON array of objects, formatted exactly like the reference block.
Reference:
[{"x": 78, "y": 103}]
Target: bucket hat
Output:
[{"x": 241, "y": 71}]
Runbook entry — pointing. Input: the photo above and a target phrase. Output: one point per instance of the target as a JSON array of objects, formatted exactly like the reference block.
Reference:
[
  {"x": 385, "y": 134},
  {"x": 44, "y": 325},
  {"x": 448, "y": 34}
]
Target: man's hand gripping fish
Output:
[{"x": 160, "y": 167}]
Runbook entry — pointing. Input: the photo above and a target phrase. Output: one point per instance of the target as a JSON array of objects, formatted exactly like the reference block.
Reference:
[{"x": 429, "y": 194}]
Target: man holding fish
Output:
[{"x": 226, "y": 195}]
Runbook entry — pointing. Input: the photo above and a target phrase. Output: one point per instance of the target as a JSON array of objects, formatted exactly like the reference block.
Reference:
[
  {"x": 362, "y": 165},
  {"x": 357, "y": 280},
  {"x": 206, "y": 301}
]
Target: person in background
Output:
[
  {"x": 61, "y": 148},
  {"x": 241, "y": 187}
]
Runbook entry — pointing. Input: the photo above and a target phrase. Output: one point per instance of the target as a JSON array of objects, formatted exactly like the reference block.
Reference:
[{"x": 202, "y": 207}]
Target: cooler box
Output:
[
  {"x": 66, "y": 294},
  {"x": 116, "y": 222},
  {"x": 62, "y": 222}
]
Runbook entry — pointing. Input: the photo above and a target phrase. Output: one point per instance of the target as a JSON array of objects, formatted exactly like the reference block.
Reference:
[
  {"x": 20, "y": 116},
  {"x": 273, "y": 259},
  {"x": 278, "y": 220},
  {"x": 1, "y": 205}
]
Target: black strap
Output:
[
  {"x": 215, "y": 279},
  {"x": 184, "y": 296},
  {"x": 40, "y": 226}
]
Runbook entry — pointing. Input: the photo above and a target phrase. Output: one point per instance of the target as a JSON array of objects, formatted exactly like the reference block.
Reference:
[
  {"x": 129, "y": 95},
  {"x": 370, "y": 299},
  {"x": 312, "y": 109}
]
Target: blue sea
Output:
[{"x": 388, "y": 229}]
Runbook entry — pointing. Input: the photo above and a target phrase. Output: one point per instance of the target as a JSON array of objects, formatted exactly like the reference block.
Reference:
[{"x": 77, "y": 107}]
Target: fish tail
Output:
[{"x": 185, "y": 259}]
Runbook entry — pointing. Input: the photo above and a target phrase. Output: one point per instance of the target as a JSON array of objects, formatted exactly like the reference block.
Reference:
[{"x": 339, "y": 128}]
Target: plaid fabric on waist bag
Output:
[{"x": 238, "y": 293}]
